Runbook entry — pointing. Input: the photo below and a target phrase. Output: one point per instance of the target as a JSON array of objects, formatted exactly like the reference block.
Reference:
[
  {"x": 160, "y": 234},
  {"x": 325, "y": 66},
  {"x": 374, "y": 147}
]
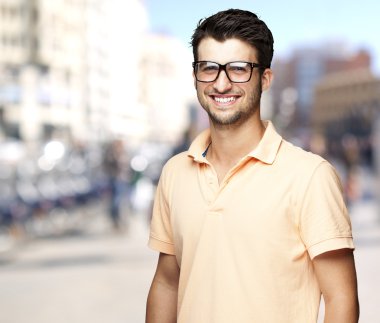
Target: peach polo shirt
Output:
[{"x": 244, "y": 246}]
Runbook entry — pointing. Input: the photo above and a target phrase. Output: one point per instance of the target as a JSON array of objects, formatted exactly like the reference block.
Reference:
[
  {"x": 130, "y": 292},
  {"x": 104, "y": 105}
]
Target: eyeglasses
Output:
[{"x": 237, "y": 72}]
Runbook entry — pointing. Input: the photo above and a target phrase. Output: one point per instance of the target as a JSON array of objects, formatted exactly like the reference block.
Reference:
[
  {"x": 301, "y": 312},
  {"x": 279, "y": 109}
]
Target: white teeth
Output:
[{"x": 225, "y": 100}]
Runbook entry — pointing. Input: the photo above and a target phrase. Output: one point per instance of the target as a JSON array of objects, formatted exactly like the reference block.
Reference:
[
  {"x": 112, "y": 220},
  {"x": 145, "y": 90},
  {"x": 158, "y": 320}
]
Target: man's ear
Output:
[{"x": 266, "y": 79}]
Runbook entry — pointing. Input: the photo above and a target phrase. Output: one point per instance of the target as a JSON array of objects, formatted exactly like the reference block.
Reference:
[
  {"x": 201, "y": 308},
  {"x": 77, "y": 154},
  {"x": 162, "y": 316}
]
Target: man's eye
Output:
[
  {"x": 238, "y": 69},
  {"x": 209, "y": 69}
]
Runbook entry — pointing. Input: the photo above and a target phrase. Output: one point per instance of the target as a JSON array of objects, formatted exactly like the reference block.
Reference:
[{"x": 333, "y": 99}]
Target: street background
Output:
[
  {"x": 88, "y": 273},
  {"x": 96, "y": 95}
]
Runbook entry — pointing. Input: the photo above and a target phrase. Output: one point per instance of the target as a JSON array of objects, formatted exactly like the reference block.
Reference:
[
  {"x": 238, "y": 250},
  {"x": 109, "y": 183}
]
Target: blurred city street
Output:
[
  {"x": 87, "y": 275},
  {"x": 92, "y": 274},
  {"x": 95, "y": 97}
]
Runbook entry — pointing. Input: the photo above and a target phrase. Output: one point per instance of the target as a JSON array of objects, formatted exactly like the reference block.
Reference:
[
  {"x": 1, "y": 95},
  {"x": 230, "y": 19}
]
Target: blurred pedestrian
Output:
[
  {"x": 184, "y": 143},
  {"x": 249, "y": 227},
  {"x": 117, "y": 168}
]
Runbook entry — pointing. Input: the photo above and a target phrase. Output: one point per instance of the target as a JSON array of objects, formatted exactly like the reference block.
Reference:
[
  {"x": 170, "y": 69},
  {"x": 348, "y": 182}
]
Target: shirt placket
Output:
[{"x": 212, "y": 188}]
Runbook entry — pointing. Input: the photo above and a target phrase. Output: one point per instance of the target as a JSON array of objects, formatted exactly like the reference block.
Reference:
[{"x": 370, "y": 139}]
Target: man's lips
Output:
[{"x": 224, "y": 99}]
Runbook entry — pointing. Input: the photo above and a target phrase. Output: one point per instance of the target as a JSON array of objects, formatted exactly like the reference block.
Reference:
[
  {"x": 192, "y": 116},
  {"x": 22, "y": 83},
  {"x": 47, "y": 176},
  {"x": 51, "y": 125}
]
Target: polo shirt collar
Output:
[
  {"x": 266, "y": 150},
  {"x": 199, "y": 146}
]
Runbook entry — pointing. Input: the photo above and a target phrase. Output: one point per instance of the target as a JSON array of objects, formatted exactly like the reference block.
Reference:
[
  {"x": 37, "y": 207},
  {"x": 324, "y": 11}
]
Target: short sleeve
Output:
[
  {"x": 161, "y": 236},
  {"x": 324, "y": 221}
]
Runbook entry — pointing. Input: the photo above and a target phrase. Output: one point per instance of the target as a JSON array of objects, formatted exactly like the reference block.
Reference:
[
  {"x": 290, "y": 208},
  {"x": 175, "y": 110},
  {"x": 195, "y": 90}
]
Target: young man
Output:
[{"x": 249, "y": 227}]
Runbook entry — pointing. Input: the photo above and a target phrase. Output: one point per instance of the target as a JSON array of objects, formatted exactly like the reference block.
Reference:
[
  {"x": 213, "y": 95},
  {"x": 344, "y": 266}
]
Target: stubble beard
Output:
[{"x": 238, "y": 117}]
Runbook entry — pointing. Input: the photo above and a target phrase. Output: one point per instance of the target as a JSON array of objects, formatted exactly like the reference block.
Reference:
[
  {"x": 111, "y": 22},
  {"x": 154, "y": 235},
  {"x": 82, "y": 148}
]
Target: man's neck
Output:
[{"x": 229, "y": 144}]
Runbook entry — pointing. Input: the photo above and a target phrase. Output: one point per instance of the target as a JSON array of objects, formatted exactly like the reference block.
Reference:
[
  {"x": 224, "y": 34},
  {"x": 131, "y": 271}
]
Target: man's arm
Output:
[
  {"x": 336, "y": 274},
  {"x": 162, "y": 299}
]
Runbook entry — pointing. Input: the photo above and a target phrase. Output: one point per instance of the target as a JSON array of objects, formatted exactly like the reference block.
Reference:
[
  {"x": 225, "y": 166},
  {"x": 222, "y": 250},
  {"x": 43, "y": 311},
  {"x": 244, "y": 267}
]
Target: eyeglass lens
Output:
[{"x": 236, "y": 71}]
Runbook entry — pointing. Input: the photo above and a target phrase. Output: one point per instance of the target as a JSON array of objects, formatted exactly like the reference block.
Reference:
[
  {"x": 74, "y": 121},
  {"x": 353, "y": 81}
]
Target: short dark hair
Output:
[{"x": 240, "y": 24}]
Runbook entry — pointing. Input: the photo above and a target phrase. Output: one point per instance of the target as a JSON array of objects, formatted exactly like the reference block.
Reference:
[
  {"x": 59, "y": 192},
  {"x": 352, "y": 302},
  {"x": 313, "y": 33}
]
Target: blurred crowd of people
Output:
[{"x": 66, "y": 178}]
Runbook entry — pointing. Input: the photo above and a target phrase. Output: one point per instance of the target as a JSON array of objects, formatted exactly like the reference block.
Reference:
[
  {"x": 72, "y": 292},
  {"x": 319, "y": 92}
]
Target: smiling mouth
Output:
[{"x": 224, "y": 100}]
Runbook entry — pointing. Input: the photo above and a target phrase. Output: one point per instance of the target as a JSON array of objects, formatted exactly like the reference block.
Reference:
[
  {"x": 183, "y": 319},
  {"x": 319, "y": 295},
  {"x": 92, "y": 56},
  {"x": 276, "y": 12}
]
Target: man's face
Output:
[{"x": 229, "y": 103}]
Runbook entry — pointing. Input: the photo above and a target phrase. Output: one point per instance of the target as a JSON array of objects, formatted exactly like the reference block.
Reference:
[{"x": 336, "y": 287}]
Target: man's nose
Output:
[{"x": 222, "y": 83}]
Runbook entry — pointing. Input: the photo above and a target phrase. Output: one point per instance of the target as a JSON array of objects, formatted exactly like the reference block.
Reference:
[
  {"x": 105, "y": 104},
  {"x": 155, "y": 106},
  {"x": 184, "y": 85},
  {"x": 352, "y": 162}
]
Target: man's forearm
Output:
[
  {"x": 161, "y": 304},
  {"x": 342, "y": 310}
]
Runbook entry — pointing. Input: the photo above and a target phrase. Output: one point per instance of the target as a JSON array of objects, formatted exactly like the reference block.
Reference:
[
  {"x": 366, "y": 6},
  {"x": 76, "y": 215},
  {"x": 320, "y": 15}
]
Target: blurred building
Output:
[
  {"x": 42, "y": 65},
  {"x": 166, "y": 88},
  {"x": 128, "y": 26},
  {"x": 66, "y": 67},
  {"x": 297, "y": 76},
  {"x": 345, "y": 112}
]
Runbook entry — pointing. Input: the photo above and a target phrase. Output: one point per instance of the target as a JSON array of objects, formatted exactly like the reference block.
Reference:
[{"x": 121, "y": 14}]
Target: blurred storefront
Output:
[
  {"x": 345, "y": 119},
  {"x": 297, "y": 76},
  {"x": 347, "y": 105}
]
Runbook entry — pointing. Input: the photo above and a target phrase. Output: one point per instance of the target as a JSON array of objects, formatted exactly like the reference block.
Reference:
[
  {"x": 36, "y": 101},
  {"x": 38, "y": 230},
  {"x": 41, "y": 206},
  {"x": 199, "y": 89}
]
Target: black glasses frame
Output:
[{"x": 222, "y": 67}]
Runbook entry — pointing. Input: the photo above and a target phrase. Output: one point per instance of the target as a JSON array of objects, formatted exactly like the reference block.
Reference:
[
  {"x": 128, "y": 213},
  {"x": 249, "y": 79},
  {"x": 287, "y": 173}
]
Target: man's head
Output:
[{"x": 240, "y": 24}]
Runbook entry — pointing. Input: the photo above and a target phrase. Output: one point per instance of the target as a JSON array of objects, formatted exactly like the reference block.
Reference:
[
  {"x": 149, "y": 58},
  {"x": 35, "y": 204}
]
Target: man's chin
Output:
[{"x": 226, "y": 121}]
